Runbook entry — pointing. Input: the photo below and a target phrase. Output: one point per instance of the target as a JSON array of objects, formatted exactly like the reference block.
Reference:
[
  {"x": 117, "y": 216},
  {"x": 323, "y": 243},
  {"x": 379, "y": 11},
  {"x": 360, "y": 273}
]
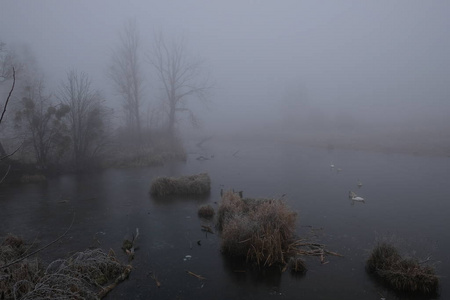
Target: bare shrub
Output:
[{"x": 199, "y": 184}]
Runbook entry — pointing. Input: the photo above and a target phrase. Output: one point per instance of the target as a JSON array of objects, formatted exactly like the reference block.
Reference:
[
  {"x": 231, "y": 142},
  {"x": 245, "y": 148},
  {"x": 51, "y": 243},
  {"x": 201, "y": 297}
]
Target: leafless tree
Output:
[
  {"x": 127, "y": 76},
  {"x": 86, "y": 115},
  {"x": 42, "y": 123},
  {"x": 181, "y": 76}
]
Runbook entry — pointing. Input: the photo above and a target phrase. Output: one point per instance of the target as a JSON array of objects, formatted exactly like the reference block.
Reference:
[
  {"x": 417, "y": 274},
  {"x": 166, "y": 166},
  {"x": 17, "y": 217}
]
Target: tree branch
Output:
[
  {"x": 9, "y": 95},
  {"x": 40, "y": 249}
]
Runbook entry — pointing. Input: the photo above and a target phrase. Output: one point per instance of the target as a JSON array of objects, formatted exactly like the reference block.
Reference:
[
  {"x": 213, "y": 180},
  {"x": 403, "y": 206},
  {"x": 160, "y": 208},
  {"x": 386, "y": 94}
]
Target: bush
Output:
[
  {"x": 199, "y": 184},
  {"x": 403, "y": 274},
  {"x": 261, "y": 230}
]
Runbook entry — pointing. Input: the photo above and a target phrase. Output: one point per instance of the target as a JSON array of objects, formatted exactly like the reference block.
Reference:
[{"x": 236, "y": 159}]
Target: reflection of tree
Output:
[{"x": 180, "y": 75}]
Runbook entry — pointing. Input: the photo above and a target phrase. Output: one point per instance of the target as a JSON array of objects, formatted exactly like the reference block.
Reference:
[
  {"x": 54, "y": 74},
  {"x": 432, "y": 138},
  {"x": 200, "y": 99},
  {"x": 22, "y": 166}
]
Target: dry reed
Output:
[
  {"x": 403, "y": 274},
  {"x": 199, "y": 184},
  {"x": 206, "y": 211},
  {"x": 261, "y": 230}
]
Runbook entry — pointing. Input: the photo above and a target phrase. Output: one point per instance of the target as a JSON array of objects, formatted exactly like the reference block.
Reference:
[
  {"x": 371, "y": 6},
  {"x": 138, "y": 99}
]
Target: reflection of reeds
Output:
[
  {"x": 403, "y": 274},
  {"x": 199, "y": 184},
  {"x": 206, "y": 211},
  {"x": 259, "y": 229}
]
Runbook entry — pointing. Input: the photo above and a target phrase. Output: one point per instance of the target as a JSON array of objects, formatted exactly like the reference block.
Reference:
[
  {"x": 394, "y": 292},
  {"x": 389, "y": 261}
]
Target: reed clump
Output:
[
  {"x": 402, "y": 274},
  {"x": 206, "y": 211},
  {"x": 199, "y": 184},
  {"x": 260, "y": 230},
  {"x": 297, "y": 265}
]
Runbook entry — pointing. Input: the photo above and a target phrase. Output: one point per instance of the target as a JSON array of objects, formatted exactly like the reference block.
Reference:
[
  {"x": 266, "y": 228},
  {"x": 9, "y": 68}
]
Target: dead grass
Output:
[
  {"x": 297, "y": 265},
  {"x": 199, "y": 184},
  {"x": 84, "y": 275},
  {"x": 261, "y": 230},
  {"x": 403, "y": 274},
  {"x": 206, "y": 211}
]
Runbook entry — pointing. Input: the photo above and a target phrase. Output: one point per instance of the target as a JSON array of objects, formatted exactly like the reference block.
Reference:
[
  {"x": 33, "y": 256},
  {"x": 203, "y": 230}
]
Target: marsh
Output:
[{"x": 406, "y": 197}]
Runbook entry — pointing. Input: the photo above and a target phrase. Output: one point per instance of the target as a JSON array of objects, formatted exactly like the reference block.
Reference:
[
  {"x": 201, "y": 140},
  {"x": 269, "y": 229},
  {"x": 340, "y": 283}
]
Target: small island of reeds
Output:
[
  {"x": 199, "y": 184},
  {"x": 262, "y": 231},
  {"x": 402, "y": 274}
]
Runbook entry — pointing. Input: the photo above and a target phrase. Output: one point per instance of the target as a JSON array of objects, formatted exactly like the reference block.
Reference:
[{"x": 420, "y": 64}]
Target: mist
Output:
[
  {"x": 214, "y": 145},
  {"x": 328, "y": 71}
]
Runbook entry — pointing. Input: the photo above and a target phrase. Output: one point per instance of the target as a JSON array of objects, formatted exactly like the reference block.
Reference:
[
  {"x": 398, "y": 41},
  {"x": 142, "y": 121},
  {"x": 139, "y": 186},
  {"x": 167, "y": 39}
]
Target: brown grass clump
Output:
[
  {"x": 261, "y": 230},
  {"x": 206, "y": 211},
  {"x": 297, "y": 265},
  {"x": 403, "y": 274},
  {"x": 199, "y": 184}
]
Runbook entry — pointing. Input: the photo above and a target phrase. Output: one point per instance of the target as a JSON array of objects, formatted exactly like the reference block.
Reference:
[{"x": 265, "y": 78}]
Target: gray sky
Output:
[{"x": 370, "y": 59}]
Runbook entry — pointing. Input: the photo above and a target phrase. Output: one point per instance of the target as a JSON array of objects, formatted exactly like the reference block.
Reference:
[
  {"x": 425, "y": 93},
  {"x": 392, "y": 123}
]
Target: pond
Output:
[{"x": 407, "y": 200}]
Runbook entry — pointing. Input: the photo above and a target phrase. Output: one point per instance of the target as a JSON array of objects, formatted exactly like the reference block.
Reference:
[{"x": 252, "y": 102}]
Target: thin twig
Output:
[
  {"x": 6, "y": 174},
  {"x": 11, "y": 154},
  {"x": 195, "y": 275},
  {"x": 40, "y": 249}
]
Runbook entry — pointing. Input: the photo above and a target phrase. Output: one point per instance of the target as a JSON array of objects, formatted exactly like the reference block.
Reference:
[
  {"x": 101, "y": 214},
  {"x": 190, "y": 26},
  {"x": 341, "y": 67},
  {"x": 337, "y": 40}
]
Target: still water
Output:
[{"x": 407, "y": 199}]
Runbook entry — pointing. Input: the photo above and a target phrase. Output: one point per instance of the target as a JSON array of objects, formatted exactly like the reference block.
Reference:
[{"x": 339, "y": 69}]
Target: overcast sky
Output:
[{"x": 268, "y": 59}]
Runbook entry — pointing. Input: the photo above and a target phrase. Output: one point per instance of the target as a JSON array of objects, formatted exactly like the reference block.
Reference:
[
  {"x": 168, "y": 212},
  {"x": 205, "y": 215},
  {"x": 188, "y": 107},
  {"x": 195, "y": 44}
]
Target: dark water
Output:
[{"x": 406, "y": 197}]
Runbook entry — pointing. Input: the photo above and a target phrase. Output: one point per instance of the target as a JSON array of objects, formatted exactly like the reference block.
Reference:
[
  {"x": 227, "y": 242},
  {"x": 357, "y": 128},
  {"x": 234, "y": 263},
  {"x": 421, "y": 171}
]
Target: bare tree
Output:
[
  {"x": 181, "y": 77},
  {"x": 86, "y": 115},
  {"x": 42, "y": 124},
  {"x": 127, "y": 76}
]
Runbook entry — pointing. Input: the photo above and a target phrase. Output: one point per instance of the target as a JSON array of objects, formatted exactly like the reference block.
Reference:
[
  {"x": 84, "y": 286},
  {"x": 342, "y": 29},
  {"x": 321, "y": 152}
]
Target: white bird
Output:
[
  {"x": 359, "y": 183},
  {"x": 332, "y": 166},
  {"x": 354, "y": 197}
]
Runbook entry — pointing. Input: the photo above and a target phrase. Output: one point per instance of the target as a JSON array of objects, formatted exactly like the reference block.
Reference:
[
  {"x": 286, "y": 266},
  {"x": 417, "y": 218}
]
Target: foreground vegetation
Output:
[
  {"x": 89, "y": 274},
  {"x": 402, "y": 274}
]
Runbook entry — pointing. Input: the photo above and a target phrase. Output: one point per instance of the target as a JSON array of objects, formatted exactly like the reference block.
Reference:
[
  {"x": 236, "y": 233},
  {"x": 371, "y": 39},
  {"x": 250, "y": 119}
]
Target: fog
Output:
[{"x": 330, "y": 69}]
